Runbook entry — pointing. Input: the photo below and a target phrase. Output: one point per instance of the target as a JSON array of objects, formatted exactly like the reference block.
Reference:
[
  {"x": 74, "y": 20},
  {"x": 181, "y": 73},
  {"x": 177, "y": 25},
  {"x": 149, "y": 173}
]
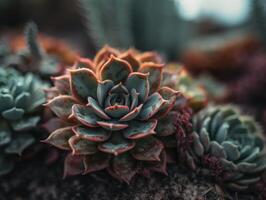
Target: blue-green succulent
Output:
[
  {"x": 21, "y": 99},
  {"x": 227, "y": 146}
]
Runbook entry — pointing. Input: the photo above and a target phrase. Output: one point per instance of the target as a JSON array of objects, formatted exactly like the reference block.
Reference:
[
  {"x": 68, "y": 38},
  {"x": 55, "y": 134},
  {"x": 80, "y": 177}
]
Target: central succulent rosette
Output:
[{"x": 111, "y": 106}]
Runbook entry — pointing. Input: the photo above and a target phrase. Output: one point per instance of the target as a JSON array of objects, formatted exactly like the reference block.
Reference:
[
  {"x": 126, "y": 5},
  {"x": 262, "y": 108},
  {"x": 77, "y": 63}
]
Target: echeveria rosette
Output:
[
  {"x": 21, "y": 99},
  {"x": 227, "y": 146},
  {"x": 112, "y": 104}
]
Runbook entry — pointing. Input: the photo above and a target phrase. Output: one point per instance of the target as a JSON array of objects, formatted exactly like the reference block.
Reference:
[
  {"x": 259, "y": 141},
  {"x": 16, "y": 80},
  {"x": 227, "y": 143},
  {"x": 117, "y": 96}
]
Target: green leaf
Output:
[
  {"x": 6, "y": 102},
  {"x": 117, "y": 111},
  {"x": 5, "y": 134},
  {"x": 151, "y": 106},
  {"x": 103, "y": 89},
  {"x": 83, "y": 84},
  {"x": 231, "y": 150},
  {"x": 92, "y": 134},
  {"x": 140, "y": 83},
  {"x": 115, "y": 70},
  {"x": 116, "y": 145},
  {"x": 112, "y": 125},
  {"x": 13, "y": 114},
  {"x": 138, "y": 129},
  {"x": 85, "y": 115},
  {"x": 19, "y": 143},
  {"x": 25, "y": 123},
  {"x": 155, "y": 75}
]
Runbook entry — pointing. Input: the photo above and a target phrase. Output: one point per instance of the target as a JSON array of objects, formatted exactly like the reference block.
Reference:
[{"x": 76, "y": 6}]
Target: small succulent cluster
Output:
[
  {"x": 34, "y": 58},
  {"x": 21, "y": 99},
  {"x": 177, "y": 77},
  {"x": 112, "y": 106},
  {"x": 227, "y": 146}
]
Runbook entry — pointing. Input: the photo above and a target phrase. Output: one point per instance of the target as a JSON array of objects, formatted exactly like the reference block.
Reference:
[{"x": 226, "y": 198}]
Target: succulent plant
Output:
[
  {"x": 111, "y": 107},
  {"x": 176, "y": 76},
  {"x": 227, "y": 146},
  {"x": 34, "y": 58},
  {"x": 21, "y": 98}
]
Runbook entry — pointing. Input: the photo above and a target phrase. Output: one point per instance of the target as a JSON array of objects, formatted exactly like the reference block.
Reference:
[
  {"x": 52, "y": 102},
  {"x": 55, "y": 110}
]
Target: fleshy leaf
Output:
[
  {"x": 62, "y": 84},
  {"x": 81, "y": 146},
  {"x": 104, "y": 54},
  {"x": 151, "y": 107},
  {"x": 123, "y": 167},
  {"x": 22, "y": 100},
  {"x": 112, "y": 126},
  {"x": 140, "y": 83},
  {"x": 155, "y": 75},
  {"x": 53, "y": 124},
  {"x": 19, "y": 143},
  {"x": 25, "y": 123},
  {"x": 96, "y": 162},
  {"x": 138, "y": 129},
  {"x": 117, "y": 111},
  {"x": 116, "y": 70},
  {"x": 128, "y": 56},
  {"x": 92, "y": 134},
  {"x": 85, "y": 115},
  {"x": 116, "y": 145},
  {"x": 170, "y": 96},
  {"x": 59, "y": 138},
  {"x": 5, "y": 134},
  {"x": 84, "y": 63},
  {"x": 166, "y": 125},
  {"x": 132, "y": 114},
  {"x": 83, "y": 84},
  {"x": 103, "y": 89},
  {"x": 13, "y": 114},
  {"x": 62, "y": 106},
  {"x": 6, "y": 102},
  {"x": 147, "y": 149},
  {"x": 97, "y": 109},
  {"x": 73, "y": 165}
]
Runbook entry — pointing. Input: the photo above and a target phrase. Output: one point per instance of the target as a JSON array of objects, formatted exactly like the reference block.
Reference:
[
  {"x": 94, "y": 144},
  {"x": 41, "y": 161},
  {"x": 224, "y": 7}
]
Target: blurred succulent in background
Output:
[
  {"x": 176, "y": 76},
  {"x": 250, "y": 88},
  {"x": 21, "y": 99},
  {"x": 112, "y": 106},
  {"x": 259, "y": 17},
  {"x": 228, "y": 147},
  {"x": 134, "y": 23},
  {"x": 223, "y": 56},
  {"x": 46, "y": 58}
]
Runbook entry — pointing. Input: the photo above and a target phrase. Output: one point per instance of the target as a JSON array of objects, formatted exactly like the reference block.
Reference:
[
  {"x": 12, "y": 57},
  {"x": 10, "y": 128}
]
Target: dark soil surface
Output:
[{"x": 34, "y": 180}]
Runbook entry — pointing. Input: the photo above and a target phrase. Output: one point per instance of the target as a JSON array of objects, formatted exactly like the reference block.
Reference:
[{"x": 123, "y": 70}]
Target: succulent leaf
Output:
[
  {"x": 59, "y": 138},
  {"x": 116, "y": 70},
  {"x": 94, "y": 135},
  {"x": 147, "y": 149},
  {"x": 62, "y": 106},
  {"x": 83, "y": 84}
]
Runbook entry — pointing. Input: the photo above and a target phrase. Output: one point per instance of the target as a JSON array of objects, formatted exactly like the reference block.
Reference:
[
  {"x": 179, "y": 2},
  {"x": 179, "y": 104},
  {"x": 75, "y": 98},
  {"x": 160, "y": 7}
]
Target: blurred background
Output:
[
  {"x": 224, "y": 39},
  {"x": 168, "y": 26}
]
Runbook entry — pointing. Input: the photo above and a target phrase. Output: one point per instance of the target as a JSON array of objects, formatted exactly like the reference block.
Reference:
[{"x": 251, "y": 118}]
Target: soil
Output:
[{"x": 34, "y": 180}]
